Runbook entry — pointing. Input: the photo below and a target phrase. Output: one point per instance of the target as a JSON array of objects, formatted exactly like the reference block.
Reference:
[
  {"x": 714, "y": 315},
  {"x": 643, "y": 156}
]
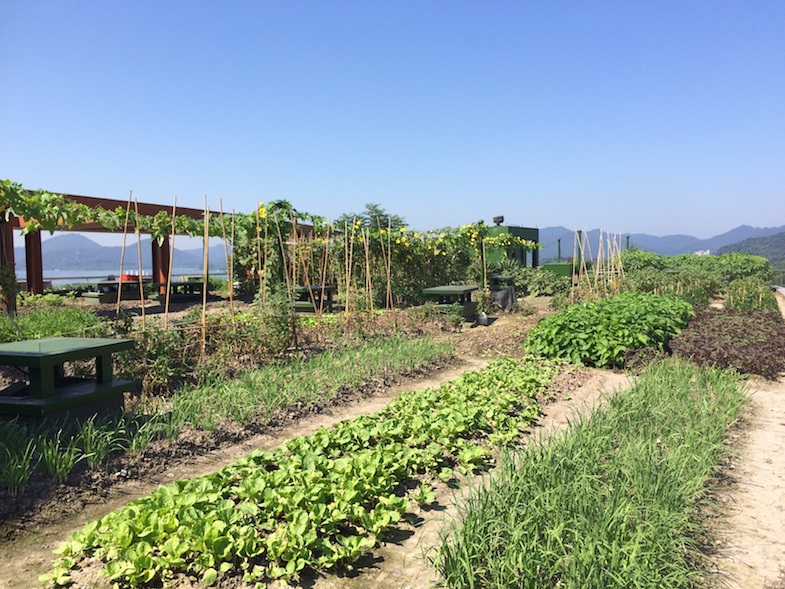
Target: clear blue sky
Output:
[{"x": 655, "y": 117}]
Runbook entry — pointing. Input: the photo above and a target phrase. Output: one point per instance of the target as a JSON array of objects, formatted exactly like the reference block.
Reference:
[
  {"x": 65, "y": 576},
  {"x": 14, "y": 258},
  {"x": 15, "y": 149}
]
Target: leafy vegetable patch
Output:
[
  {"x": 600, "y": 332},
  {"x": 319, "y": 501}
]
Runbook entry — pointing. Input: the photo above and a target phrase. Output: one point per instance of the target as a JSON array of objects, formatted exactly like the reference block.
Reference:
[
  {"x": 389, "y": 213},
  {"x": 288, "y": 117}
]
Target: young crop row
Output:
[
  {"x": 613, "y": 502},
  {"x": 600, "y": 333},
  {"x": 54, "y": 452},
  {"x": 319, "y": 501}
]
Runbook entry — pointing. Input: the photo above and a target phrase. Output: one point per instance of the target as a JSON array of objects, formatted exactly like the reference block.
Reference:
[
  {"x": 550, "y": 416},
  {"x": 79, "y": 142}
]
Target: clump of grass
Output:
[
  {"x": 49, "y": 321},
  {"x": 59, "y": 454},
  {"x": 613, "y": 502},
  {"x": 315, "y": 380}
]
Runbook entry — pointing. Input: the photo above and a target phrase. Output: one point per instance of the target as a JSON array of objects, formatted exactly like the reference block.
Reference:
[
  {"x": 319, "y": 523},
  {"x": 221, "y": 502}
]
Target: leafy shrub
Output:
[
  {"x": 160, "y": 359},
  {"x": 750, "y": 294},
  {"x": 635, "y": 260},
  {"x": 737, "y": 265},
  {"x": 600, "y": 333},
  {"x": 750, "y": 343},
  {"x": 26, "y": 299},
  {"x": 696, "y": 279},
  {"x": 531, "y": 281},
  {"x": 540, "y": 282}
]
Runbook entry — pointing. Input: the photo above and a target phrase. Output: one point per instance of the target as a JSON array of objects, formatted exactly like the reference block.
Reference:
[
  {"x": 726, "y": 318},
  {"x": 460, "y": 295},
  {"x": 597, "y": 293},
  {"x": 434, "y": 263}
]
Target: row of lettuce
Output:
[{"x": 319, "y": 501}]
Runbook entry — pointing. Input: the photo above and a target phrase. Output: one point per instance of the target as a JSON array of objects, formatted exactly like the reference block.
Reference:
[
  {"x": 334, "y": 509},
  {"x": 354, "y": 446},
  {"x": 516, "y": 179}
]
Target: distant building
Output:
[{"x": 703, "y": 253}]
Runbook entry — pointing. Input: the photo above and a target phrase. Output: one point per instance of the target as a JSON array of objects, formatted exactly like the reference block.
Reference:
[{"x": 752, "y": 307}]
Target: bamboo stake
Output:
[
  {"x": 324, "y": 271},
  {"x": 386, "y": 263},
  {"x": 346, "y": 266},
  {"x": 350, "y": 269},
  {"x": 258, "y": 249},
  {"x": 293, "y": 244},
  {"x": 263, "y": 280},
  {"x": 205, "y": 277},
  {"x": 368, "y": 281},
  {"x": 285, "y": 270},
  {"x": 300, "y": 261},
  {"x": 139, "y": 255},
  {"x": 228, "y": 265},
  {"x": 171, "y": 262},
  {"x": 389, "y": 262},
  {"x": 122, "y": 254}
]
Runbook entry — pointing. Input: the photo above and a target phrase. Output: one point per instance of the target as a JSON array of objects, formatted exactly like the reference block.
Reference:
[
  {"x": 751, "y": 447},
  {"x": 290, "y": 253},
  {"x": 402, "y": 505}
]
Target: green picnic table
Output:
[
  {"x": 448, "y": 295},
  {"x": 48, "y": 390},
  {"x": 179, "y": 290},
  {"x": 317, "y": 297}
]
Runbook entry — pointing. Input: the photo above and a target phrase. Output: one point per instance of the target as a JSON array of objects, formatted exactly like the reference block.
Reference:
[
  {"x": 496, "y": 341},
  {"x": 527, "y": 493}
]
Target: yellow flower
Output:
[{"x": 402, "y": 229}]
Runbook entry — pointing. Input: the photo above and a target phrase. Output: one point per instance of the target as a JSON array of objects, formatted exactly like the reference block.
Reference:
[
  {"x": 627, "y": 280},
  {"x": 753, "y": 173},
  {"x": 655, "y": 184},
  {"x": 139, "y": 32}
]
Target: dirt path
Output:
[{"x": 751, "y": 535}]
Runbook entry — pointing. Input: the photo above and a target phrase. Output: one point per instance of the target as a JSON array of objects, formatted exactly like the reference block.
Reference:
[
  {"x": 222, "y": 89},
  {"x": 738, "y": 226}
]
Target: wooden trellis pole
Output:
[
  {"x": 122, "y": 253},
  {"x": 139, "y": 256},
  {"x": 386, "y": 261},
  {"x": 205, "y": 276},
  {"x": 366, "y": 235},
  {"x": 285, "y": 270},
  {"x": 228, "y": 264},
  {"x": 171, "y": 262},
  {"x": 259, "y": 251},
  {"x": 324, "y": 270}
]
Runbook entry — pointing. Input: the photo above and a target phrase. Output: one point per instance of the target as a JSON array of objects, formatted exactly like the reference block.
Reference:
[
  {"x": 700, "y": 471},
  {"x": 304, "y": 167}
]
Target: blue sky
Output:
[{"x": 643, "y": 117}]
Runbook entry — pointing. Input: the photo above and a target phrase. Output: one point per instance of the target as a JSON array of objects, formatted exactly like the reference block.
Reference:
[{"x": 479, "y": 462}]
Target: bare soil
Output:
[{"x": 750, "y": 531}]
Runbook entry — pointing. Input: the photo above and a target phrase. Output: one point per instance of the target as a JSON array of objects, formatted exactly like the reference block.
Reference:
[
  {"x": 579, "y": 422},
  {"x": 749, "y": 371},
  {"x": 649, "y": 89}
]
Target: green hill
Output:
[{"x": 771, "y": 248}]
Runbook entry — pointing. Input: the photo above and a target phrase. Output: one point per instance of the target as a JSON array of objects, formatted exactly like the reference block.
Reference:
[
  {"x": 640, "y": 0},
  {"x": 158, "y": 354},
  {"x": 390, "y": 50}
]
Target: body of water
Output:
[{"x": 62, "y": 277}]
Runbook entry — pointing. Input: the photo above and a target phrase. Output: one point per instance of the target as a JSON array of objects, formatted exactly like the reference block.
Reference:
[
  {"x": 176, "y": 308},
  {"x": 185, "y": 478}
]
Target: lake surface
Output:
[{"x": 62, "y": 277}]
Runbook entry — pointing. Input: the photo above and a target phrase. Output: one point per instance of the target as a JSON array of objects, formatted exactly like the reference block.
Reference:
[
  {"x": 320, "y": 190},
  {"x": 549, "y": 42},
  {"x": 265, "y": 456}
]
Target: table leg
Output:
[
  {"x": 42, "y": 382},
  {"x": 103, "y": 368}
]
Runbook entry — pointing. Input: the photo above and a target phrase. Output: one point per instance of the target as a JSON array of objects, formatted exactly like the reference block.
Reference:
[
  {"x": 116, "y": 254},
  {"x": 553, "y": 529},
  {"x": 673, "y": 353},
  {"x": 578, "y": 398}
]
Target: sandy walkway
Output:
[{"x": 751, "y": 536}]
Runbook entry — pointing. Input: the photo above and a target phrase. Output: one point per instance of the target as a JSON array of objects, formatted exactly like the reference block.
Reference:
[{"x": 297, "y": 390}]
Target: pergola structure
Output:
[{"x": 34, "y": 263}]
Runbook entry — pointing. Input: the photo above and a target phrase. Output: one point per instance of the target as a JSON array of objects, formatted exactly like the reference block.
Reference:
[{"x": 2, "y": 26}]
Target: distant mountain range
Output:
[
  {"x": 668, "y": 245},
  {"x": 72, "y": 251}
]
